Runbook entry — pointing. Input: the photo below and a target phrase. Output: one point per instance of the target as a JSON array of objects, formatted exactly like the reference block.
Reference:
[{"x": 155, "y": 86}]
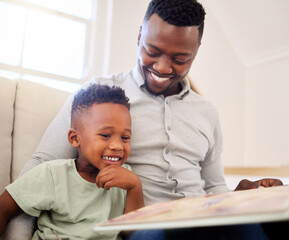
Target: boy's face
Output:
[
  {"x": 104, "y": 134},
  {"x": 165, "y": 54}
]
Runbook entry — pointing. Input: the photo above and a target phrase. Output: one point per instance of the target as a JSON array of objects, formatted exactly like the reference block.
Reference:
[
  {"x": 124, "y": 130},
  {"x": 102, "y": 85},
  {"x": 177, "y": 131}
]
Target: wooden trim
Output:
[{"x": 258, "y": 171}]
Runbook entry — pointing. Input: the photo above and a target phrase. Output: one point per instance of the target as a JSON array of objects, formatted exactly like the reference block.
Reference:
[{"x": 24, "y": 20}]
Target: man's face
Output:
[
  {"x": 104, "y": 135},
  {"x": 165, "y": 54}
]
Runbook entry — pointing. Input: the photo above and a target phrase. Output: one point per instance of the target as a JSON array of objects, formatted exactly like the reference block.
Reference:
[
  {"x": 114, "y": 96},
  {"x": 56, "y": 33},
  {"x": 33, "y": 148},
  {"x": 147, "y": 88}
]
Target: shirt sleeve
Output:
[
  {"x": 34, "y": 191},
  {"x": 54, "y": 143},
  {"x": 212, "y": 168}
]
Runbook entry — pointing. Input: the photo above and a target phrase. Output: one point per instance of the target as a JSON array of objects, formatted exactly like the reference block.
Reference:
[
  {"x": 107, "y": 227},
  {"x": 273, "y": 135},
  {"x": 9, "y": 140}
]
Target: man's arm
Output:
[
  {"x": 54, "y": 143},
  {"x": 8, "y": 209}
]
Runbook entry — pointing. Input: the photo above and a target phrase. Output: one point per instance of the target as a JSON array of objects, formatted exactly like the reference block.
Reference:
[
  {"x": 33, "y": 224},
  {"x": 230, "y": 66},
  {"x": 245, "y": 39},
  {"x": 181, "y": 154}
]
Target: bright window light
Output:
[
  {"x": 54, "y": 44},
  {"x": 61, "y": 85},
  {"x": 79, "y": 8},
  {"x": 9, "y": 74},
  {"x": 12, "y": 20},
  {"x": 50, "y": 37}
]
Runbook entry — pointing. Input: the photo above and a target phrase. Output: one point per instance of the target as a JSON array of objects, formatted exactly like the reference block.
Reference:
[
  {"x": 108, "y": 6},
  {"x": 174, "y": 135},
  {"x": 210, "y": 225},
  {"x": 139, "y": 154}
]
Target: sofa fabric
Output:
[
  {"x": 7, "y": 98},
  {"x": 27, "y": 108}
]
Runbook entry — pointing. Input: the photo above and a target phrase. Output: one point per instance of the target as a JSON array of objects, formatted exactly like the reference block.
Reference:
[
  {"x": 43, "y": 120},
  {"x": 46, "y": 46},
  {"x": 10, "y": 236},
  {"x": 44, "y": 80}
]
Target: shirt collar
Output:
[
  {"x": 137, "y": 76},
  {"x": 140, "y": 82}
]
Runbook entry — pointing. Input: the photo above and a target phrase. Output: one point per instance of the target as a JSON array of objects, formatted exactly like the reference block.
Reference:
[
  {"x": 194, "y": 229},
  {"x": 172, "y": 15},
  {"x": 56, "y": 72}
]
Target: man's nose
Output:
[{"x": 163, "y": 65}]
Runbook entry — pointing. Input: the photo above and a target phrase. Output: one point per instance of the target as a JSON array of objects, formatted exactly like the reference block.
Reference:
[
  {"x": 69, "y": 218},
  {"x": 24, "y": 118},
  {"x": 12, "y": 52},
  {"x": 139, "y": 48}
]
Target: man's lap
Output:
[
  {"x": 233, "y": 232},
  {"x": 20, "y": 227}
]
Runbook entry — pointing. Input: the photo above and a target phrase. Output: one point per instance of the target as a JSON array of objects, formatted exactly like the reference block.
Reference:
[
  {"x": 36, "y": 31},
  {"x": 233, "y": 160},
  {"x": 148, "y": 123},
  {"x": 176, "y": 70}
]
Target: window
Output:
[{"x": 46, "y": 39}]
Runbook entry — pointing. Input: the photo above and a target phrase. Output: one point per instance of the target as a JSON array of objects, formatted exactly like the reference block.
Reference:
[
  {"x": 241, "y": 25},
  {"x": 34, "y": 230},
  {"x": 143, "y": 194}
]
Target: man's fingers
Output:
[
  {"x": 246, "y": 184},
  {"x": 270, "y": 182}
]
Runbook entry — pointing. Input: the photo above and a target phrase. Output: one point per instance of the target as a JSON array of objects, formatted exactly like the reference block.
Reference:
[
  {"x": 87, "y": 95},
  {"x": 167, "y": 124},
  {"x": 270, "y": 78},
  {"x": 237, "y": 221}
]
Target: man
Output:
[{"x": 176, "y": 137}]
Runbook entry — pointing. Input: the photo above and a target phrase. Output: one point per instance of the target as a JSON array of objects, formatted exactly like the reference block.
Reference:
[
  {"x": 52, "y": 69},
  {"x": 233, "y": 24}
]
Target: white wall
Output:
[
  {"x": 267, "y": 114},
  {"x": 126, "y": 21},
  {"x": 219, "y": 76}
]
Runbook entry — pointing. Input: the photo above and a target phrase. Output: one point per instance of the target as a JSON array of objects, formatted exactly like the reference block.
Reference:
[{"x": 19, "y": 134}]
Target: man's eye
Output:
[
  {"x": 150, "y": 54},
  {"x": 180, "y": 62}
]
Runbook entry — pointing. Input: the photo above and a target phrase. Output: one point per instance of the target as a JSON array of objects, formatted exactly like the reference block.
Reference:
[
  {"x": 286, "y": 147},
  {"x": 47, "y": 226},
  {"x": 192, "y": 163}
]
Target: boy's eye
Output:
[
  {"x": 105, "y": 135},
  {"x": 126, "y": 138}
]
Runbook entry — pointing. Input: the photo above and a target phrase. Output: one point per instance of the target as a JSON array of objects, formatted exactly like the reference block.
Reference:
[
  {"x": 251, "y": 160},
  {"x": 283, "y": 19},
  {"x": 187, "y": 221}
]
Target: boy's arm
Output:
[
  {"x": 116, "y": 176},
  {"x": 8, "y": 209},
  {"x": 134, "y": 197}
]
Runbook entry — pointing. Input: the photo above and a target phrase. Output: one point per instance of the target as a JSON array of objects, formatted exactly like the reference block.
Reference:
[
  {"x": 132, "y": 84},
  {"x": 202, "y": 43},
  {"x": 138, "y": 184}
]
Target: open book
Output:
[{"x": 248, "y": 206}]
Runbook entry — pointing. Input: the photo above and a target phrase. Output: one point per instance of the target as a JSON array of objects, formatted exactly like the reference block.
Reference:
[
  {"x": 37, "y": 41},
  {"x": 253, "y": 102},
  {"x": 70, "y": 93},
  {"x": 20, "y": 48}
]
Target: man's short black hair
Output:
[
  {"x": 96, "y": 94},
  {"x": 181, "y": 13}
]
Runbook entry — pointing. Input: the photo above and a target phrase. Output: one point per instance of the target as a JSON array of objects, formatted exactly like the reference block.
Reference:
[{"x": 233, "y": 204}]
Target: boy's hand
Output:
[
  {"x": 116, "y": 176},
  {"x": 265, "y": 182}
]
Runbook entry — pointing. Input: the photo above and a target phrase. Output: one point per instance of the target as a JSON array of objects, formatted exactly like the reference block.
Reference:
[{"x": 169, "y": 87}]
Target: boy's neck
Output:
[{"x": 89, "y": 173}]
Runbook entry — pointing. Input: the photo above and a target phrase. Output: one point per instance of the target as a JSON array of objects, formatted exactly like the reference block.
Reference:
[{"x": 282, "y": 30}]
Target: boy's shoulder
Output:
[{"x": 55, "y": 164}]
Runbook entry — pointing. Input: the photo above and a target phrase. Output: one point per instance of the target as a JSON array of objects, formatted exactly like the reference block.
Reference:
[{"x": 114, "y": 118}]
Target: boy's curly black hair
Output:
[
  {"x": 182, "y": 13},
  {"x": 96, "y": 94}
]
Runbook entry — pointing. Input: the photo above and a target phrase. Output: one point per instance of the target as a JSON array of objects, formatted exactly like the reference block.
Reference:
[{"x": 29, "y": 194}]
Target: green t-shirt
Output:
[{"x": 65, "y": 203}]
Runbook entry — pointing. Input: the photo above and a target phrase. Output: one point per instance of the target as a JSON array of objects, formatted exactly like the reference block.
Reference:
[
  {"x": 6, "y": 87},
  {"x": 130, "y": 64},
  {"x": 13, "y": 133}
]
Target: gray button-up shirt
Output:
[{"x": 176, "y": 141}]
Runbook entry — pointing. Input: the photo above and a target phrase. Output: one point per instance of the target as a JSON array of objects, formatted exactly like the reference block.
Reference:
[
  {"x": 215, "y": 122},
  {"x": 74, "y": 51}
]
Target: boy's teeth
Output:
[
  {"x": 113, "y": 159},
  {"x": 159, "y": 79}
]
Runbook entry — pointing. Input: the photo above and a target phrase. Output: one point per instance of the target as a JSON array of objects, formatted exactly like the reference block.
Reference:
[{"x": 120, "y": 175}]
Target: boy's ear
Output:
[{"x": 73, "y": 138}]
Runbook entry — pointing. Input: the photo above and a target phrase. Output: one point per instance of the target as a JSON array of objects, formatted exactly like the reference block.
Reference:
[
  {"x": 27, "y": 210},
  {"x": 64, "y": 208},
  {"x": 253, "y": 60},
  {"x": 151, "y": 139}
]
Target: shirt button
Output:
[
  {"x": 167, "y": 151},
  {"x": 169, "y": 128},
  {"x": 176, "y": 191},
  {"x": 170, "y": 176}
]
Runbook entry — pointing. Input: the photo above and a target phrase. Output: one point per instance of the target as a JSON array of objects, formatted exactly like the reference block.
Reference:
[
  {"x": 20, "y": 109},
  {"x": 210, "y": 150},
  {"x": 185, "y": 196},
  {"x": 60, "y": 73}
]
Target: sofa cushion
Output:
[
  {"x": 35, "y": 107},
  {"x": 7, "y": 97}
]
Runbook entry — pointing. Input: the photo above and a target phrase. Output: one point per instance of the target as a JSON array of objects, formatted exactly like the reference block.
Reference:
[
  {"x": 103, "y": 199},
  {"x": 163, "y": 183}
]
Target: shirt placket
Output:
[{"x": 168, "y": 150}]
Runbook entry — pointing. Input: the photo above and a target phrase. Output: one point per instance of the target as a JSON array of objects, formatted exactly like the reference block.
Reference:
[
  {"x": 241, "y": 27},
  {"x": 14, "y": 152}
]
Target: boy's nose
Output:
[{"x": 116, "y": 145}]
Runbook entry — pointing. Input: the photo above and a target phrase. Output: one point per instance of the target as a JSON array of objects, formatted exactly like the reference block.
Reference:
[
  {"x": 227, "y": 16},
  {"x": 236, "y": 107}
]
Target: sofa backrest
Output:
[
  {"x": 7, "y": 98},
  {"x": 35, "y": 105}
]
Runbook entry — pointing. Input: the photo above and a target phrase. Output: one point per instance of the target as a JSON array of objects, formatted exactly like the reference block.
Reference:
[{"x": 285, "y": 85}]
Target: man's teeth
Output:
[
  {"x": 159, "y": 79},
  {"x": 113, "y": 159}
]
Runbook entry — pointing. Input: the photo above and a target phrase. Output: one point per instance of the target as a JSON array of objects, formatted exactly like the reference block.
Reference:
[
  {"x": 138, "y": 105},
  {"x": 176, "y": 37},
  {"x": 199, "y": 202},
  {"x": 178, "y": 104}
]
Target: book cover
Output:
[{"x": 247, "y": 206}]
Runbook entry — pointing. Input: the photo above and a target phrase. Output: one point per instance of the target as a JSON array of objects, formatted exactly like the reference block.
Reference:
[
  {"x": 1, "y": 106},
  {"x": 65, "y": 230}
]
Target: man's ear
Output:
[
  {"x": 139, "y": 35},
  {"x": 73, "y": 137}
]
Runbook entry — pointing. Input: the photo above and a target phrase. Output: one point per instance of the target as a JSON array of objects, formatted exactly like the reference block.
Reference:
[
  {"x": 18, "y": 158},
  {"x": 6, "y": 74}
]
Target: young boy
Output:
[{"x": 70, "y": 196}]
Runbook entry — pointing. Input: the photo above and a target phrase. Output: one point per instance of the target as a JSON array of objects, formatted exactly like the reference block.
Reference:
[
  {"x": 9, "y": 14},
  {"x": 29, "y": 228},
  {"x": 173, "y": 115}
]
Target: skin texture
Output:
[
  {"x": 102, "y": 132},
  {"x": 166, "y": 51}
]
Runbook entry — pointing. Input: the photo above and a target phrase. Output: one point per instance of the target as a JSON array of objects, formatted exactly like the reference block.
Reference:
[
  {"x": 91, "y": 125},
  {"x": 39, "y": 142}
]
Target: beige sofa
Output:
[{"x": 26, "y": 110}]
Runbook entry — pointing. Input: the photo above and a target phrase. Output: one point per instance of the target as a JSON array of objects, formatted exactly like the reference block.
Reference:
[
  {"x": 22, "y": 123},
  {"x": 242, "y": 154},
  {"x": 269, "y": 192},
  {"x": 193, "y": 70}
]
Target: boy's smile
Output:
[{"x": 103, "y": 138}]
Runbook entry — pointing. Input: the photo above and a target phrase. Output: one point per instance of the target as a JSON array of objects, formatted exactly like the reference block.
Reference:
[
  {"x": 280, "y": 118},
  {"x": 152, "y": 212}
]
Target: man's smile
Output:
[{"x": 159, "y": 79}]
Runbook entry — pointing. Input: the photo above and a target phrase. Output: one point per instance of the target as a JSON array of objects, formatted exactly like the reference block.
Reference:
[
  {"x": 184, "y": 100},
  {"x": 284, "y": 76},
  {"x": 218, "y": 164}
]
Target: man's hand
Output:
[
  {"x": 264, "y": 182},
  {"x": 116, "y": 176}
]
